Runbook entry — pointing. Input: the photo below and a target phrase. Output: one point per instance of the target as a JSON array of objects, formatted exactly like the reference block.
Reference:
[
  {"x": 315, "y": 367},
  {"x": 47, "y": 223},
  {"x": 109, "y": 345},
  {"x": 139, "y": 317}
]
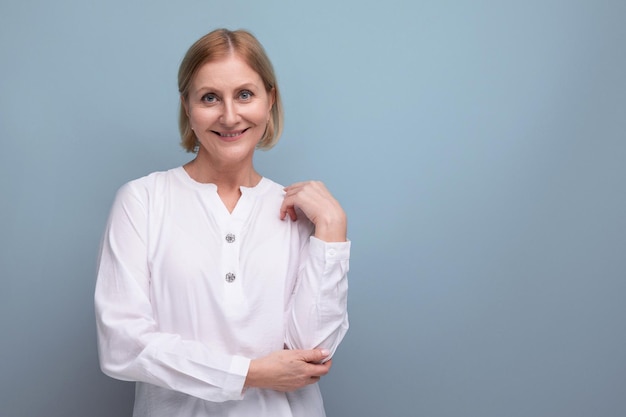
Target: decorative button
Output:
[
  {"x": 230, "y": 277},
  {"x": 230, "y": 238}
]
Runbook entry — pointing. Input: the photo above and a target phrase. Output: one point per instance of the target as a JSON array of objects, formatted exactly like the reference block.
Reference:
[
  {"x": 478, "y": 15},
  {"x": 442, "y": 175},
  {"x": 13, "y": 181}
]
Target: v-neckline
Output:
[{"x": 243, "y": 204}]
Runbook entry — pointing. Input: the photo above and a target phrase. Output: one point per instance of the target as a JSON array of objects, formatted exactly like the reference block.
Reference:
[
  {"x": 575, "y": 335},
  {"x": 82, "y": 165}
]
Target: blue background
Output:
[{"x": 478, "y": 147}]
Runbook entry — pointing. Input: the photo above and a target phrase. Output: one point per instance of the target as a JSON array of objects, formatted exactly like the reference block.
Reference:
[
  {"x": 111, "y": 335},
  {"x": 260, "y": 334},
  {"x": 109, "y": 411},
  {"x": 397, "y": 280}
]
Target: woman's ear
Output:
[
  {"x": 272, "y": 97},
  {"x": 183, "y": 102}
]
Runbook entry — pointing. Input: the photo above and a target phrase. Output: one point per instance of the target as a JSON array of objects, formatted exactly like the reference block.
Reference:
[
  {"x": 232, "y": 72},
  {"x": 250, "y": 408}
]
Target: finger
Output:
[
  {"x": 319, "y": 370},
  {"x": 292, "y": 213},
  {"x": 295, "y": 185},
  {"x": 287, "y": 207},
  {"x": 315, "y": 355},
  {"x": 288, "y": 210},
  {"x": 284, "y": 208}
]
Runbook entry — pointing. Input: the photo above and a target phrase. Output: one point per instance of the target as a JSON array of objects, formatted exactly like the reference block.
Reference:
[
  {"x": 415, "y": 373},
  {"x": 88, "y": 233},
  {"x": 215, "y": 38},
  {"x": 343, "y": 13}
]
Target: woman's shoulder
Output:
[
  {"x": 151, "y": 183},
  {"x": 269, "y": 190},
  {"x": 158, "y": 176},
  {"x": 271, "y": 185}
]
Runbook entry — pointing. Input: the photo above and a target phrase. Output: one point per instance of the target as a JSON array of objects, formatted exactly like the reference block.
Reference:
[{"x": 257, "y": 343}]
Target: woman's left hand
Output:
[{"x": 316, "y": 202}]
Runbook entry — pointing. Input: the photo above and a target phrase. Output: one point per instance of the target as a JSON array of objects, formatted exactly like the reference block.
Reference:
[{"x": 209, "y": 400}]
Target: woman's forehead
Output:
[{"x": 226, "y": 71}]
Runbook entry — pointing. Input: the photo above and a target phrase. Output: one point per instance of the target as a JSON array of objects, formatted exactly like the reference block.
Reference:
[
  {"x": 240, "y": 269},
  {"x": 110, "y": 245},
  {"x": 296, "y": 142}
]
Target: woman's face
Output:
[{"x": 228, "y": 109}]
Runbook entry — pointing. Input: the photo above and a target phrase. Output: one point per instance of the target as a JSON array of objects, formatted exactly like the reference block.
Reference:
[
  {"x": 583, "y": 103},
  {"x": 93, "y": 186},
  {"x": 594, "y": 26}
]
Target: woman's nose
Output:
[{"x": 230, "y": 115}]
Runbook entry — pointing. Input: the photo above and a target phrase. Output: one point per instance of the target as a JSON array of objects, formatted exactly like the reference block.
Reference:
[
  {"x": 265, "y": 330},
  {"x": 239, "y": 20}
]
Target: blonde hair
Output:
[{"x": 217, "y": 45}]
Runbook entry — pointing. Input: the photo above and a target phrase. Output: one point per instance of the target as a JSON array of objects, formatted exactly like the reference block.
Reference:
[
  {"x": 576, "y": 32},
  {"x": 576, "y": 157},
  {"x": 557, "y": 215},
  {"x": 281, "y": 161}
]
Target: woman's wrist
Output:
[
  {"x": 252, "y": 375},
  {"x": 332, "y": 231}
]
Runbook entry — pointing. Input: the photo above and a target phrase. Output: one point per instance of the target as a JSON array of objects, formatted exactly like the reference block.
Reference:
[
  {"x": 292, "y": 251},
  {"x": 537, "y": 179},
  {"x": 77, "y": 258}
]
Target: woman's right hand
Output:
[{"x": 288, "y": 370}]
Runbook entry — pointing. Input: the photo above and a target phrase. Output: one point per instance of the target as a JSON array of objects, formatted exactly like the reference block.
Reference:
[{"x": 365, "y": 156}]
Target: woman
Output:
[{"x": 219, "y": 291}]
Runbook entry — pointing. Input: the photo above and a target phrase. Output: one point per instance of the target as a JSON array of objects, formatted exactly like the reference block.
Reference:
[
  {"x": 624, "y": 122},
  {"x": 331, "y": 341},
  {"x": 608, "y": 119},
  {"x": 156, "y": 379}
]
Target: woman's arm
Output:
[
  {"x": 318, "y": 315},
  {"x": 130, "y": 343}
]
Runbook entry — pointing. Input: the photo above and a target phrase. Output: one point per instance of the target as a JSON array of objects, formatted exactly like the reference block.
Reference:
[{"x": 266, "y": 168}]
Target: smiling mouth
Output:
[{"x": 229, "y": 134}]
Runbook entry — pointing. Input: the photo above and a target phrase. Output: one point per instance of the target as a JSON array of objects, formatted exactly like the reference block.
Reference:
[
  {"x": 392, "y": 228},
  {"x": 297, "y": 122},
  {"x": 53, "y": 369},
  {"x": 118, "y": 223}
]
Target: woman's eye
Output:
[
  {"x": 209, "y": 98},
  {"x": 245, "y": 95}
]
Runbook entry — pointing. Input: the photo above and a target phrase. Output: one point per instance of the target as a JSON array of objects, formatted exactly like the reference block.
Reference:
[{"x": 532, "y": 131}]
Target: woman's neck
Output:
[
  {"x": 225, "y": 175},
  {"x": 227, "y": 179}
]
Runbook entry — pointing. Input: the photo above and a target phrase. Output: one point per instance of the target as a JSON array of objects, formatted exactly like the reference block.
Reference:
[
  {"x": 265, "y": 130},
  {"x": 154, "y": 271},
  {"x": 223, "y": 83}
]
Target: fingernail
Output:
[{"x": 325, "y": 352}]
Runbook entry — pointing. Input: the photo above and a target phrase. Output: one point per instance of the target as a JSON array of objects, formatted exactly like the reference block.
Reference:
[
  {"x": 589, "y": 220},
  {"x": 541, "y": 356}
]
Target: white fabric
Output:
[{"x": 168, "y": 318}]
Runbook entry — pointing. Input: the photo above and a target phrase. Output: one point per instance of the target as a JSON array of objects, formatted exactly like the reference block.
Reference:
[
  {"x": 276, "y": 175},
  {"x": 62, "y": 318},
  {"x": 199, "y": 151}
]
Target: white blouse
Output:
[{"x": 188, "y": 293}]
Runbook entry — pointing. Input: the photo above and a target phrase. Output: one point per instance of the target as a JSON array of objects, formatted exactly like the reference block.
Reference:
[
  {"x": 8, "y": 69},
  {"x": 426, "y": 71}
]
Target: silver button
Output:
[
  {"x": 230, "y": 238},
  {"x": 230, "y": 277}
]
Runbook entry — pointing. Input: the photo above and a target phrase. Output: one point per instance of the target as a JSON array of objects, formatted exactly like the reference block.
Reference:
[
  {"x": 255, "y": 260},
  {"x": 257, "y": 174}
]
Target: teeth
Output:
[{"x": 230, "y": 135}]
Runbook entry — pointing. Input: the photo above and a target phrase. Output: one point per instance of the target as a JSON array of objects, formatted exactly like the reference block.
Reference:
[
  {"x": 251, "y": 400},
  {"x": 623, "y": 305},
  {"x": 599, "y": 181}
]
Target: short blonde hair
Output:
[{"x": 217, "y": 45}]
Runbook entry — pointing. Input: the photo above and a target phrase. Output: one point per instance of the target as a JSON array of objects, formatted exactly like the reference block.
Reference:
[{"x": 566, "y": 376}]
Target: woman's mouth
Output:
[{"x": 231, "y": 134}]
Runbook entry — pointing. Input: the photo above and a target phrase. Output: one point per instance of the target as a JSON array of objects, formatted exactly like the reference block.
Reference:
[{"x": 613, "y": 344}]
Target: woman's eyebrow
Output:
[{"x": 244, "y": 86}]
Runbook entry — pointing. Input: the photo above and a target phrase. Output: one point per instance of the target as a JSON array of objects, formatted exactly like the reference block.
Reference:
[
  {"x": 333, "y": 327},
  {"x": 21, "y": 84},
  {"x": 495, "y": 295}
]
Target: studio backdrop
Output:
[{"x": 478, "y": 148}]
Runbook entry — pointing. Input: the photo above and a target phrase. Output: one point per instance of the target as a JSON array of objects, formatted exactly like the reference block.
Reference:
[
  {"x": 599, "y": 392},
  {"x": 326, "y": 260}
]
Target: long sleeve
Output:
[
  {"x": 130, "y": 343},
  {"x": 188, "y": 293},
  {"x": 318, "y": 315}
]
